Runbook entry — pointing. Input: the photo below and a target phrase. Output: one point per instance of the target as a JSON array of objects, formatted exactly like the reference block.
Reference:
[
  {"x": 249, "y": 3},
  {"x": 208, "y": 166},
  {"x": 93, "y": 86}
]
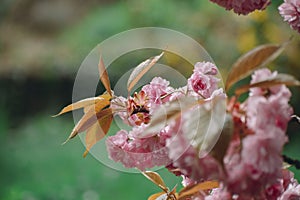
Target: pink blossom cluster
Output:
[
  {"x": 253, "y": 161},
  {"x": 290, "y": 11},
  {"x": 252, "y": 167},
  {"x": 157, "y": 149},
  {"x": 243, "y": 7}
]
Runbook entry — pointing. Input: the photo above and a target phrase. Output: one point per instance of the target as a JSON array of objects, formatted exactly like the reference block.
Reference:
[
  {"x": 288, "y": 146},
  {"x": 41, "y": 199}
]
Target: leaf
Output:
[
  {"x": 285, "y": 79},
  {"x": 205, "y": 124},
  {"x": 168, "y": 112},
  {"x": 80, "y": 104},
  {"x": 286, "y": 165},
  {"x": 195, "y": 125},
  {"x": 296, "y": 117},
  {"x": 190, "y": 190},
  {"x": 140, "y": 70},
  {"x": 104, "y": 76},
  {"x": 89, "y": 118},
  {"x": 96, "y": 132},
  {"x": 157, "y": 196},
  {"x": 156, "y": 179},
  {"x": 246, "y": 64},
  {"x": 220, "y": 148},
  {"x": 105, "y": 96},
  {"x": 173, "y": 195}
]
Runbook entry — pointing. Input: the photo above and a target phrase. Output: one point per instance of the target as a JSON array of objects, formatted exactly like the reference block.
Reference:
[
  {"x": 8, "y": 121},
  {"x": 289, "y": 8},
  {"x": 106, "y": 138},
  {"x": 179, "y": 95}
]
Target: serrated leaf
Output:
[
  {"x": 89, "y": 118},
  {"x": 104, "y": 76},
  {"x": 97, "y": 131},
  {"x": 285, "y": 79},
  {"x": 140, "y": 71},
  {"x": 80, "y": 104},
  {"x": 156, "y": 179},
  {"x": 252, "y": 60},
  {"x": 188, "y": 191}
]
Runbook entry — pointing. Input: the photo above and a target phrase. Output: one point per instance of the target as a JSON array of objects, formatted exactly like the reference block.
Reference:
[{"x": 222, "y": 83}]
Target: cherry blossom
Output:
[
  {"x": 290, "y": 11},
  {"x": 243, "y": 6},
  {"x": 204, "y": 81}
]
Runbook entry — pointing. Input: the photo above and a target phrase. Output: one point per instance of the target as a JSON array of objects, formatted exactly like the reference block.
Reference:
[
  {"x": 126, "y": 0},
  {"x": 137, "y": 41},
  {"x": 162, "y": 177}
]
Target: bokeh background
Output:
[{"x": 42, "y": 44}]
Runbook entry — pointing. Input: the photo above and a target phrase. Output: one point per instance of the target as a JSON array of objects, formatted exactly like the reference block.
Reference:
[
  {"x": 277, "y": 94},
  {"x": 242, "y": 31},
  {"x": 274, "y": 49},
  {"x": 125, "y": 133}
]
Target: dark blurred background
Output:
[{"x": 42, "y": 44}]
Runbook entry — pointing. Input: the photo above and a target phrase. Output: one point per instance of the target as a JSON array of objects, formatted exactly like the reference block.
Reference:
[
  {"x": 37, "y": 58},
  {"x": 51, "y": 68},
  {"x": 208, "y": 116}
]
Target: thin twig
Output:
[{"x": 293, "y": 162}]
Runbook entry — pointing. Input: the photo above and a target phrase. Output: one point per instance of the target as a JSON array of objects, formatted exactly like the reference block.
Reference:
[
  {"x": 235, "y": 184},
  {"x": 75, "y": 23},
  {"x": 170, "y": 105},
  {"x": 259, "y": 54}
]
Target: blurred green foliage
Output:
[{"x": 34, "y": 165}]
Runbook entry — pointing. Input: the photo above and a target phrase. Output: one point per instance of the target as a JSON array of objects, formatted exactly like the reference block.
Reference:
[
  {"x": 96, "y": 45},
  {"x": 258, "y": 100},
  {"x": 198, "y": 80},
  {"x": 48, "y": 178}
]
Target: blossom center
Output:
[{"x": 199, "y": 85}]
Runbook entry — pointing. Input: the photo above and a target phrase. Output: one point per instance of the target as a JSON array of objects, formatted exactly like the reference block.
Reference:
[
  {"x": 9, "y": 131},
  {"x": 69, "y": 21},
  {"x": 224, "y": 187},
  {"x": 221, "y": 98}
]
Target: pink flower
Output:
[
  {"x": 264, "y": 113},
  {"x": 292, "y": 193},
  {"x": 281, "y": 91},
  {"x": 157, "y": 90},
  {"x": 219, "y": 194},
  {"x": 138, "y": 109},
  {"x": 261, "y": 155},
  {"x": 274, "y": 191},
  {"x": 243, "y": 6},
  {"x": 187, "y": 181},
  {"x": 268, "y": 107},
  {"x": 290, "y": 11},
  {"x": 256, "y": 167},
  {"x": 203, "y": 80},
  {"x": 140, "y": 153},
  {"x": 119, "y": 105},
  {"x": 178, "y": 93},
  {"x": 134, "y": 111},
  {"x": 186, "y": 158}
]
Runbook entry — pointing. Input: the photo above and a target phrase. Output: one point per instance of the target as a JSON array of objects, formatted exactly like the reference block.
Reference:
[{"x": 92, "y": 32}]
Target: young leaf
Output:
[
  {"x": 80, "y": 104},
  {"x": 220, "y": 148},
  {"x": 190, "y": 190},
  {"x": 285, "y": 79},
  {"x": 156, "y": 179},
  {"x": 89, "y": 118},
  {"x": 296, "y": 117},
  {"x": 205, "y": 124},
  {"x": 96, "y": 132},
  {"x": 168, "y": 112},
  {"x": 157, "y": 196},
  {"x": 140, "y": 70},
  {"x": 173, "y": 195},
  {"x": 258, "y": 57},
  {"x": 105, "y": 96},
  {"x": 104, "y": 76}
]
